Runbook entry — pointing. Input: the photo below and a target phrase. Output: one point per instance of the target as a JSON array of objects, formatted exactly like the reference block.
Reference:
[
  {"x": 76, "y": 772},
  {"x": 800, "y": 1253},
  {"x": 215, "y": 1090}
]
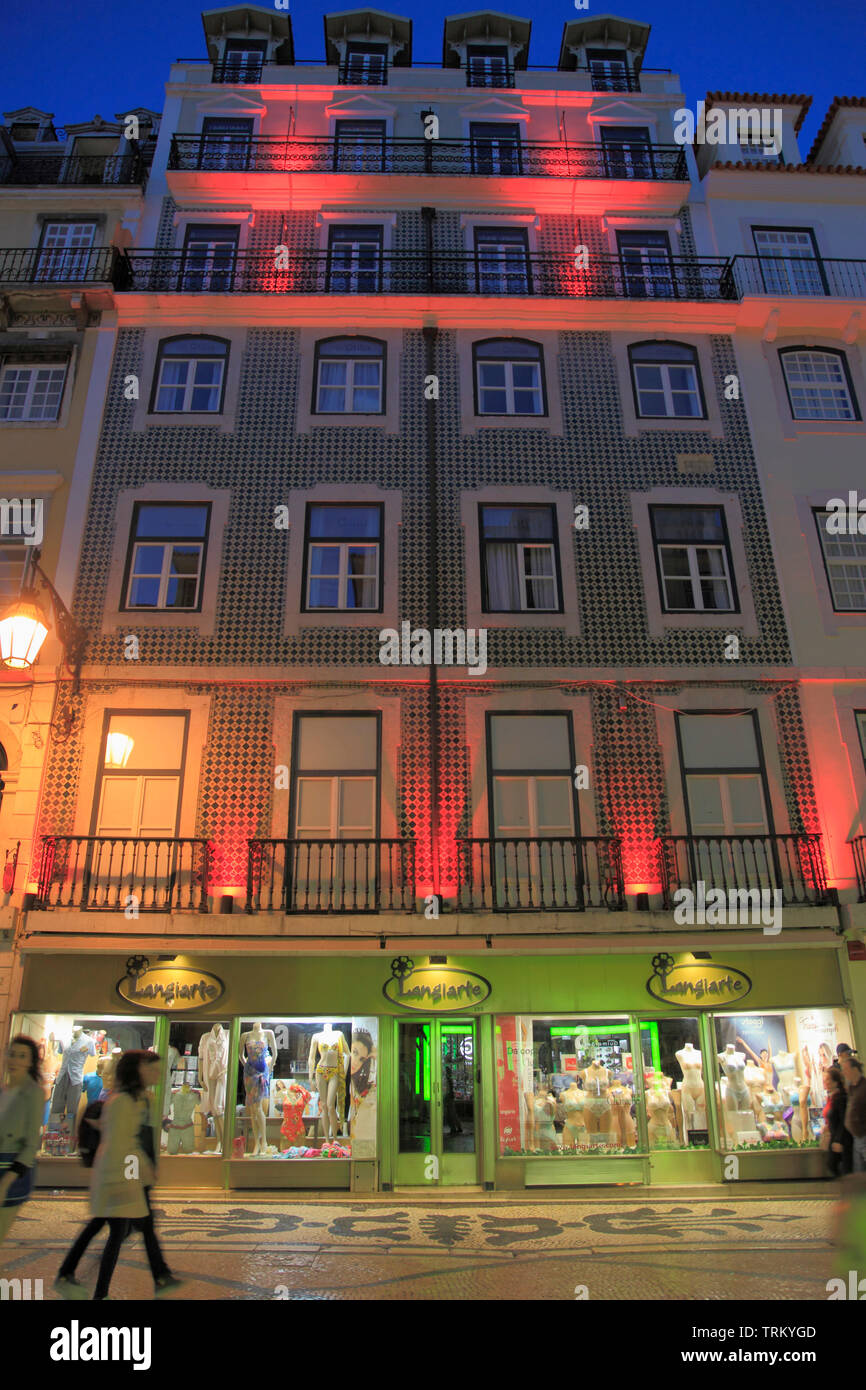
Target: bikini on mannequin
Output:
[
  {"x": 542, "y": 1108},
  {"x": 733, "y": 1064},
  {"x": 329, "y": 1060},
  {"x": 755, "y": 1084},
  {"x": 213, "y": 1060},
  {"x": 596, "y": 1109},
  {"x": 258, "y": 1048},
  {"x": 574, "y": 1131}
]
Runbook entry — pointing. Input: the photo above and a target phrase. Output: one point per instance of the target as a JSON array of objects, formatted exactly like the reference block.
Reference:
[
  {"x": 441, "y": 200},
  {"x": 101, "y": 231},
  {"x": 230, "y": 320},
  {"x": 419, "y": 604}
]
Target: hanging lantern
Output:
[
  {"x": 117, "y": 749},
  {"x": 22, "y": 633}
]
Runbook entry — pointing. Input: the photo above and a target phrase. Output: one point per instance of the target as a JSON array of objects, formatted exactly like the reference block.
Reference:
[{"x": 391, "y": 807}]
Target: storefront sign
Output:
[
  {"x": 701, "y": 985},
  {"x": 438, "y": 989},
  {"x": 168, "y": 988}
]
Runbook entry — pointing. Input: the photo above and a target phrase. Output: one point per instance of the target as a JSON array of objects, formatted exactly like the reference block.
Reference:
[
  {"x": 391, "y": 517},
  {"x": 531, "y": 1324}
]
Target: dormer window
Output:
[
  {"x": 365, "y": 65},
  {"x": 243, "y": 61},
  {"x": 609, "y": 70},
  {"x": 25, "y": 131},
  {"x": 487, "y": 66}
]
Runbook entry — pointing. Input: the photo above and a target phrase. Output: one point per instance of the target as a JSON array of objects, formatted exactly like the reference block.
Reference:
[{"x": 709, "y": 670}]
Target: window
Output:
[
  {"x": 666, "y": 381},
  {"x": 355, "y": 259},
  {"x": 336, "y": 776},
  {"x": 509, "y": 378},
  {"x": 343, "y": 557},
  {"x": 30, "y": 391},
  {"x": 487, "y": 66},
  {"x": 366, "y": 64},
  {"x": 519, "y": 561},
  {"x": 693, "y": 559},
  {"x": 243, "y": 60},
  {"x": 165, "y": 565},
  {"x": 818, "y": 384},
  {"x": 647, "y": 271},
  {"x": 720, "y": 757},
  {"x": 190, "y": 376},
  {"x": 225, "y": 142},
  {"x": 14, "y": 558},
  {"x": 789, "y": 261},
  {"x": 502, "y": 260},
  {"x": 845, "y": 564},
  {"x": 495, "y": 147},
  {"x": 627, "y": 152},
  {"x": 860, "y": 716},
  {"x": 755, "y": 148},
  {"x": 65, "y": 250},
  {"x": 349, "y": 377},
  {"x": 209, "y": 258},
  {"x": 609, "y": 70},
  {"x": 359, "y": 147}
]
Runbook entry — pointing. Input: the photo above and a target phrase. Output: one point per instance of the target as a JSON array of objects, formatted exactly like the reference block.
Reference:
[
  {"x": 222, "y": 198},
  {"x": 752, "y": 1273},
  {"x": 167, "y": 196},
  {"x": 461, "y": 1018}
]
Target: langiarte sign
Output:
[
  {"x": 437, "y": 989},
  {"x": 700, "y": 985},
  {"x": 168, "y": 988}
]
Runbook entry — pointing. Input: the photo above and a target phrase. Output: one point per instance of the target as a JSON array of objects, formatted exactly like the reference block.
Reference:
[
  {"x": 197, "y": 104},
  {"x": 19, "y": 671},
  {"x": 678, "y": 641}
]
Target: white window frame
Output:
[
  {"x": 11, "y": 364},
  {"x": 840, "y": 361},
  {"x": 349, "y": 385},
  {"x": 780, "y": 263},
  {"x": 342, "y": 576},
  {"x": 835, "y": 563},
  {"x": 509, "y": 363},
  {"x": 190, "y": 384},
  {"x": 695, "y": 577},
  {"x": 165, "y": 576},
  {"x": 667, "y": 389}
]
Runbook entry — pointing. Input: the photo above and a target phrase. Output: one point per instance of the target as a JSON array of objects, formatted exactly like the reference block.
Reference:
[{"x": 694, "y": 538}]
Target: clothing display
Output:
[
  {"x": 293, "y": 1128},
  {"x": 257, "y": 1076},
  {"x": 213, "y": 1055},
  {"x": 331, "y": 1049},
  {"x": 92, "y": 1085},
  {"x": 67, "y": 1086}
]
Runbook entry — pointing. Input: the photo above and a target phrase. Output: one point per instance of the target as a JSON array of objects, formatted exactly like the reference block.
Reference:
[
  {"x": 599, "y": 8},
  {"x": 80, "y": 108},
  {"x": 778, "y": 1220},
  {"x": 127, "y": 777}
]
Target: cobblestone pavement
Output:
[{"x": 636, "y": 1246}]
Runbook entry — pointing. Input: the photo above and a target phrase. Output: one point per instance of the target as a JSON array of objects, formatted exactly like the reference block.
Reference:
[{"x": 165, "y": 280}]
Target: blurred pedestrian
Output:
[
  {"x": 855, "y": 1111},
  {"x": 22, "y": 1102},
  {"x": 87, "y": 1142},
  {"x": 835, "y": 1137},
  {"x": 124, "y": 1170}
]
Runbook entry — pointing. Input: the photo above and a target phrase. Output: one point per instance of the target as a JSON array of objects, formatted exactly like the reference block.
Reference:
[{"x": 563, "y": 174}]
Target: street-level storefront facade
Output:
[{"x": 375, "y": 1072}]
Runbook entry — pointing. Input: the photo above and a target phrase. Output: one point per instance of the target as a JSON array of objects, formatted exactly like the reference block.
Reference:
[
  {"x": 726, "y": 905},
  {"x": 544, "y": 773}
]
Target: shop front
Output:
[{"x": 364, "y": 1073}]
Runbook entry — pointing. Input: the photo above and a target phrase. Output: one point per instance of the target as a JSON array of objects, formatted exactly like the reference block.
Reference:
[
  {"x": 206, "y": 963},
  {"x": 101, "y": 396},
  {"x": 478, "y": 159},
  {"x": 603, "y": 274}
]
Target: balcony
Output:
[
  {"x": 792, "y": 864},
  {"x": 416, "y": 273},
  {"x": 97, "y": 873},
  {"x": 798, "y": 277},
  {"x": 375, "y": 155},
  {"x": 331, "y": 876},
  {"x": 540, "y": 874},
  {"x": 98, "y": 265},
  {"x": 858, "y": 849},
  {"x": 82, "y": 171}
]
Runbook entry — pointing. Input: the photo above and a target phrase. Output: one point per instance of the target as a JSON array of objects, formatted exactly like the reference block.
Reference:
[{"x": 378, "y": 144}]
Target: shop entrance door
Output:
[{"x": 437, "y": 1071}]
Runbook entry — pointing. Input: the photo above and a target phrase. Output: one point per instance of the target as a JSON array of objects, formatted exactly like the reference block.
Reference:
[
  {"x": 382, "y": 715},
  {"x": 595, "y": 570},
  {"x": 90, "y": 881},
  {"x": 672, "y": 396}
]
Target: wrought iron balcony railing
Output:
[
  {"x": 336, "y": 876},
  {"x": 376, "y": 155},
  {"x": 538, "y": 874},
  {"x": 792, "y": 864},
  {"x": 96, "y": 265},
  {"x": 28, "y": 170},
  {"x": 858, "y": 849},
  {"x": 796, "y": 276},
  {"x": 413, "y": 272},
  {"x": 106, "y": 873}
]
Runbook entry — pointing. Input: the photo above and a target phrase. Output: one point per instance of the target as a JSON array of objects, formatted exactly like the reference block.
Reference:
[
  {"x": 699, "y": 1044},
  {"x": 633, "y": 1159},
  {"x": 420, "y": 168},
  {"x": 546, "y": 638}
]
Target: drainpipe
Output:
[{"x": 431, "y": 334}]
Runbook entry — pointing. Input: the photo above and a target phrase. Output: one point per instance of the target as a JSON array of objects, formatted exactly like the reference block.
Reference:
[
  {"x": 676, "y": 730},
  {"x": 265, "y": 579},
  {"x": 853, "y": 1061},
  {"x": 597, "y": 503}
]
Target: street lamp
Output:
[{"x": 24, "y": 626}]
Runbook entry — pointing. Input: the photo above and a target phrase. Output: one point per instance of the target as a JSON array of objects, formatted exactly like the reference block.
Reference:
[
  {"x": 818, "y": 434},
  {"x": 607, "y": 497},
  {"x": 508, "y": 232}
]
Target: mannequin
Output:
[
  {"x": 574, "y": 1126},
  {"x": 733, "y": 1065},
  {"x": 181, "y": 1131},
  {"x": 293, "y": 1127},
  {"x": 542, "y": 1108},
  {"x": 67, "y": 1087},
  {"x": 660, "y": 1113},
  {"x": 213, "y": 1060},
  {"x": 692, "y": 1088},
  {"x": 755, "y": 1084},
  {"x": 621, "y": 1100},
  {"x": 596, "y": 1083},
  {"x": 329, "y": 1059},
  {"x": 258, "y": 1048}
]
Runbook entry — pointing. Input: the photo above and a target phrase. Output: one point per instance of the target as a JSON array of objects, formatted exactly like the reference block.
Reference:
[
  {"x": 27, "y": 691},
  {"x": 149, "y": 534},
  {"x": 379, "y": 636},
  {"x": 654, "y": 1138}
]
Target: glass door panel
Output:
[{"x": 437, "y": 1072}]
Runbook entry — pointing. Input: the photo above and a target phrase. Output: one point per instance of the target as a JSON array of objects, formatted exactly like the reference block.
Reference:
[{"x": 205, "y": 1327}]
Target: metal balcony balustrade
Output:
[
  {"x": 798, "y": 276},
  {"x": 102, "y": 873},
  {"x": 331, "y": 876},
  {"x": 793, "y": 864},
  {"x": 254, "y": 73},
  {"x": 858, "y": 849},
  {"x": 375, "y": 155},
  {"x": 540, "y": 874},
  {"x": 49, "y": 266},
  {"x": 413, "y": 272},
  {"x": 27, "y": 170}
]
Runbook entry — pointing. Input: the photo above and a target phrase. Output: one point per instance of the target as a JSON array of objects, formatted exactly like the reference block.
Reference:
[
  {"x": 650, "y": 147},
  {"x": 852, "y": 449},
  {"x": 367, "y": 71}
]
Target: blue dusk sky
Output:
[{"x": 75, "y": 59}]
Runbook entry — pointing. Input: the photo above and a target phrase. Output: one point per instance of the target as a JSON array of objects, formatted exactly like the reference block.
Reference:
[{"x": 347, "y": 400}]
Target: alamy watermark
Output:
[
  {"x": 846, "y": 518},
  {"x": 759, "y": 126},
  {"x": 442, "y": 647},
  {"x": 719, "y": 907},
  {"x": 22, "y": 517}
]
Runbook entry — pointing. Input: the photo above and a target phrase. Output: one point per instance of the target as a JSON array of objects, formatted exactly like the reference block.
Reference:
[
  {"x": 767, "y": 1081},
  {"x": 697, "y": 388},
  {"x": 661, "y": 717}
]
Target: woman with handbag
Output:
[
  {"x": 22, "y": 1101},
  {"x": 835, "y": 1139}
]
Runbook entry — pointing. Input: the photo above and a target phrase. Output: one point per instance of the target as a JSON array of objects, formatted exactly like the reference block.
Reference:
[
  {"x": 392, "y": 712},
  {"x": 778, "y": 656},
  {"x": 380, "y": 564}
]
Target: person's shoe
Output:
[
  {"x": 68, "y": 1287},
  {"x": 167, "y": 1284}
]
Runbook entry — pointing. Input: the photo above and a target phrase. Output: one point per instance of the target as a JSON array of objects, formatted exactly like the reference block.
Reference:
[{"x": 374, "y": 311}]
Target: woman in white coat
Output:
[{"x": 124, "y": 1169}]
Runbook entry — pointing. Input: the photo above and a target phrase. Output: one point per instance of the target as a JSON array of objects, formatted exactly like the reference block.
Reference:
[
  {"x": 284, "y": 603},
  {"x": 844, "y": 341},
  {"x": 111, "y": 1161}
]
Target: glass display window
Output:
[
  {"x": 78, "y": 1053},
  {"x": 674, "y": 1087},
  {"x": 307, "y": 1088},
  {"x": 770, "y": 1075},
  {"x": 194, "y": 1087},
  {"x": 566, "y": 1086}
]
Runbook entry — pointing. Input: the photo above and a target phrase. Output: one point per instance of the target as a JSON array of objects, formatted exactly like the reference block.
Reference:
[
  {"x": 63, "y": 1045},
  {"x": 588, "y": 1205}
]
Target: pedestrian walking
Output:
[
  {"x": 124, "y": 1170},
  {"x": 87, "y": 1143},
  {"x": 22, "y": 1102},
  {"x": 835, "y": 1138},
  {"x": 855, "y": 1111}
]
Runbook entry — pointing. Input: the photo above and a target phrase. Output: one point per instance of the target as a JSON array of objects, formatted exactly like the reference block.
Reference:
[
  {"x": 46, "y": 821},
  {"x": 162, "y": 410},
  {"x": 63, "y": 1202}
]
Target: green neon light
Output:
[{"x": 425, "y": 1045}]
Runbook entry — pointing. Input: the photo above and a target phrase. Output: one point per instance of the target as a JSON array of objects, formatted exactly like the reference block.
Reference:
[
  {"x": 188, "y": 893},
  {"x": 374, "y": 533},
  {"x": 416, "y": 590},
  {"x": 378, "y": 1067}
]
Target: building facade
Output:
[{"x": 463, "y": 780}]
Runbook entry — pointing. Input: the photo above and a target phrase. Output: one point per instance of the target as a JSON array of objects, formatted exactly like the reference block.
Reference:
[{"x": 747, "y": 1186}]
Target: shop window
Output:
[
  {"x": 194, "y": 1088},
  {"x": 771, "y": 1086},
  {"x": 343, "y": 557},
  {"x": 674, "y": 1075},
  {"x": 567, "y": 1087},
  {"x": 693, "y": 559},
  {"x": 845, "y": 564},
  {"x": 307, "y": 1089},
  {"x": 78, "y": 1053}
]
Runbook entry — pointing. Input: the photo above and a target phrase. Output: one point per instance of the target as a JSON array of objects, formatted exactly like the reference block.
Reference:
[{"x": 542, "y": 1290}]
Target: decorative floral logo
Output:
[
  {"x": 136, "y": 966},
  {"x": 662, "y": 965},
  {"x": 401, "y": 966}
]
